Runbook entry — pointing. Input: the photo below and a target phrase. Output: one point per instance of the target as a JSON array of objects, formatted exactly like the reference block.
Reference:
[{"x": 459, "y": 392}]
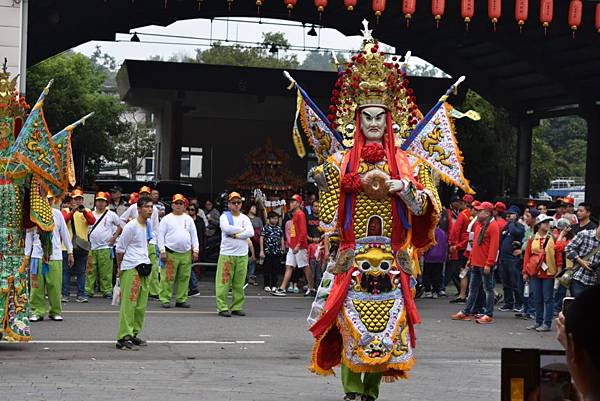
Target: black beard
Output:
[{"x": 375, "y": 285}]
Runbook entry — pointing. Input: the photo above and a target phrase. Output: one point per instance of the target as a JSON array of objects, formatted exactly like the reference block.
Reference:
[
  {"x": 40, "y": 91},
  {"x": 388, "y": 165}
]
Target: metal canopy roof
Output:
[{"x": 528, "y": 73}]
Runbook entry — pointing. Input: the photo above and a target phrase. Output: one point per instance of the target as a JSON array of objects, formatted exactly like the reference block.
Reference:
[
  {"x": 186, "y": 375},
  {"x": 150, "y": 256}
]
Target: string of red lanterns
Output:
[{"x": 467, "y": 7}]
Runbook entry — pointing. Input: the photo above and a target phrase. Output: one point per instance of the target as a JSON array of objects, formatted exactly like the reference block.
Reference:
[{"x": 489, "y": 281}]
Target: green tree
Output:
[
  {"x": 488, "y": 146},
  {"x": 136, "y": 142},
  {"x": 320, "y": 61},
  {"x": 250, "y": 56},
  {"x": 567, "y": 138},
  {"x": 78, "y": 90},
  {"x": 543, "y": 162}
]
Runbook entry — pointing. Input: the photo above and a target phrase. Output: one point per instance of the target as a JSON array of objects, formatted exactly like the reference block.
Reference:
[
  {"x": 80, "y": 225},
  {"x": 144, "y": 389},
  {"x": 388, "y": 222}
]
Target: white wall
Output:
[{"x": 10, "y": 35}]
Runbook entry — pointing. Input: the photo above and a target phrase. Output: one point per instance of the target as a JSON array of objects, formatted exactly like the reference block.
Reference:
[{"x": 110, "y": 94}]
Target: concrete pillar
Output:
[
  {"x": 170, "y": 130},
  {"x": 12, "y": 42},
  {"x": 524, "y": 148},
  {"x": 592, "y": 168}
]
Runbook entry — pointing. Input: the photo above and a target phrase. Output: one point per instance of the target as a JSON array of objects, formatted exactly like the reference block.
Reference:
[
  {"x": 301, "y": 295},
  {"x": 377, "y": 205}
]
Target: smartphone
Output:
[
  {"x": 520, "y": 374},
  {"x": 567, "y": 301}
]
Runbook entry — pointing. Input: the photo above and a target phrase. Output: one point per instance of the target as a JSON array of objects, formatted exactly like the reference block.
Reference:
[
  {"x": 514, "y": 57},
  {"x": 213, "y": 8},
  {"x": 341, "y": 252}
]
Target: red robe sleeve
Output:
[
  {"x": 494, "y": 233},
  {"x": 89, "y": 217},
  {"x": 526, "y": 258}
]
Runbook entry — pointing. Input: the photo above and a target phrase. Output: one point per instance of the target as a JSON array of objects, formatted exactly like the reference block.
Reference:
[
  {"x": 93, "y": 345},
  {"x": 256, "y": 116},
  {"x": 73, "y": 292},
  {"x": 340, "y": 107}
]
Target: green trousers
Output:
[
  {"x": 134, "y": 299},
  {"x": 177, "y": 269},
  {"x": 99, "y": 266},
  {"x": 52, "y": 283},
  {"x": 231, "y": 272},
  {"x": 153, "y": 280},
  {"x": 353, "y": 383}
]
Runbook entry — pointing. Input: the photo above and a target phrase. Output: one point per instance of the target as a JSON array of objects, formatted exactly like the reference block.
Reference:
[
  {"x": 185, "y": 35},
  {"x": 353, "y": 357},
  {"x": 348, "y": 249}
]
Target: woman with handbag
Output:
[{"x": 541, "y": 265}]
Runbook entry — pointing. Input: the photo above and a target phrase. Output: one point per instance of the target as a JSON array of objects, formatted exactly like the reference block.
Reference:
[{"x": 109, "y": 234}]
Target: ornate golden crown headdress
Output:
[{"x": 369, "y": 80}]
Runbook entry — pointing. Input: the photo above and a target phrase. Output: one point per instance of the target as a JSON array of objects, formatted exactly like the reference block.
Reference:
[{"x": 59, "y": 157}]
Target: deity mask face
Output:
[{"x": 373, "y": 122}]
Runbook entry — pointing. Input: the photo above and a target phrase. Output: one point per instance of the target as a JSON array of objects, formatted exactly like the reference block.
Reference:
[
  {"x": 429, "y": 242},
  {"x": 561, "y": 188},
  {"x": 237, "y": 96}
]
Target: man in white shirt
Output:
[
  {"x": 131, "y": 213},
  {"x": 133, "y": 261},
  {"x": 232, "y": 267},
  {"x": 103, "y": 235},
  {"x": 46, "y": 273},
  {"x": 178, "y": 245}
]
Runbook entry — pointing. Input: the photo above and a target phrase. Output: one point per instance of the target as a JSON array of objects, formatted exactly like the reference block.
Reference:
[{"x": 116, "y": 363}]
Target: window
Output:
[
  {"x": 191, "y": 162},
  {"x": 148, "y": 165}
]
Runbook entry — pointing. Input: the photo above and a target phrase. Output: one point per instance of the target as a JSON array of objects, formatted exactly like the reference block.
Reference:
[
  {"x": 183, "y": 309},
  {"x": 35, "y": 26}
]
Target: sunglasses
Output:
[
  {"x": 236, "y": 203},
  {"x": 178, "y": 203}
]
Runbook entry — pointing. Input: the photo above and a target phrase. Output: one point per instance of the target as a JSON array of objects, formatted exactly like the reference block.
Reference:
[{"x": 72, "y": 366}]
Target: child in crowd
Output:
[
  {"x": 434, "y": 260},
  {"x": 272, "y": 247}
]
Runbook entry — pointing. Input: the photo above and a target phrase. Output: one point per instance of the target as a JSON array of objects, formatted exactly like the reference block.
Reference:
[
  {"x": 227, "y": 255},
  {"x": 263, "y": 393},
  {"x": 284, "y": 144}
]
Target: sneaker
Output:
[
  {"x": 296, "y": 290},
  {"x": 154, "y": 297},
  {"x": 279, "y": 292},
  {"x": 443, "y": 294},
  {"x": 225, "y": 313},
  {"x": 166, "y": 306},
  {"x": 36, "y": 318},
  {"x": 65, "y": 299},
  {"x": 238, "y": 312},
  {"x": 182, "y": 305},
  {"x": 435, "y": 295},
  {"x": 505, "y": 308},
  {"x": 518, "y": 310},
  {"x": 139, "y": 342},
  {"x": 290, "y": 288},
  {"x": 533, "y": 327},
  {"x": 485, "y": 319},
  {"x": 82, "y": 300},
  {"x": 427, "y": 294},
  {"x": 308, "y": 293},
  {"x": 252, "y": 281},
  {"x": 56, "y": 318},
  {"x": 107, "y": 296},
  {"x": 458, "y": 301},
  {"x": 193, "y": 293},
  {"x": 267, "y": 289},
  {"x": 126, "y": 344},
  {"x": 543, "y": 328},
  {"x": 367, "y": 398},
  {"x": 461, "y": 316},
  {"x": 352, "y": 397}
]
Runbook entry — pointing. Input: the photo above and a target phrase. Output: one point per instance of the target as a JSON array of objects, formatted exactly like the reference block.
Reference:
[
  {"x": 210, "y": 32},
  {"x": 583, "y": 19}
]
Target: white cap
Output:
[{"x": 542, "y": 218}]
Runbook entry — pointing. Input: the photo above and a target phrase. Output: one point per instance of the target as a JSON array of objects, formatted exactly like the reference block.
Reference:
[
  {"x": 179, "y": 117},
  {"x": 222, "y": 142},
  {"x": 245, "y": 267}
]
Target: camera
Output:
[{"x": 81, "y": 208}]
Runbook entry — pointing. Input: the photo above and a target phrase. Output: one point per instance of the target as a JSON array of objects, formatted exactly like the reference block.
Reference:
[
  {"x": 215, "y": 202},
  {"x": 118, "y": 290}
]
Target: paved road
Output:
[{"x": 196, "y": 355}]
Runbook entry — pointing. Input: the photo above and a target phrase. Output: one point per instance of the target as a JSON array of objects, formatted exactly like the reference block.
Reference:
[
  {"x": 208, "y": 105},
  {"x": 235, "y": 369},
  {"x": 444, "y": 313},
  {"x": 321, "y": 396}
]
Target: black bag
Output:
[
  {"x": 80, "y": 245},
  {"x": 144, "y": 269}
]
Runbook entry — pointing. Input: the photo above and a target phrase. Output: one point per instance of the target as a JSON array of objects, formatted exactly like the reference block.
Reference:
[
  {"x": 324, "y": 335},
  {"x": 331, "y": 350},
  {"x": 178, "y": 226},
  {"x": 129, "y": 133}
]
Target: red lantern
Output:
[
  {"x": 408, "y": 9},
  {"x": 437, "y": 9},
  {"x": 546, "y": 13},
  {"x": 467, "y": 10},
  {"x": 378, "y": 7},
  {"x": 289, "y": 4},
  {"x": 575, "y": 12},
  {"x": 320, "y": 4},
  {"x": 494, "y": 11},
  {"x": 350, "y": 4},
  {"x": 598, "y": 17},
  {"x": 521, "y": 12}
]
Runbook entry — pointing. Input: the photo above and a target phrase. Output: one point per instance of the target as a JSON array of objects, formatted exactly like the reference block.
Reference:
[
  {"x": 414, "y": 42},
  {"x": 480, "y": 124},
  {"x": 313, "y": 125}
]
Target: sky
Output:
[{"x": 222, "y": 30}]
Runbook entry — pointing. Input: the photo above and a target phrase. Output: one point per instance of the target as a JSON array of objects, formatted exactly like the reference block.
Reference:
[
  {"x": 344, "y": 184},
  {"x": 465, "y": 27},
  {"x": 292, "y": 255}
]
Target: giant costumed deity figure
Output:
[
  {"x": 380, "y": 206},
  {"x": 33, "y": 164}
]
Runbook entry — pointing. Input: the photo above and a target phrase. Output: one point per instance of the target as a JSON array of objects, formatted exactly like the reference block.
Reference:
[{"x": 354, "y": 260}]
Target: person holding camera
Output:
[
  {"x": 578, "y": 333},
  {"x": 584, "y": 251},
  {"x": 133, "y": 274},
  {"x": 179, "y": 246},
  {"x": 510, "y": 258},
  {"x": 79, "y": 219}
]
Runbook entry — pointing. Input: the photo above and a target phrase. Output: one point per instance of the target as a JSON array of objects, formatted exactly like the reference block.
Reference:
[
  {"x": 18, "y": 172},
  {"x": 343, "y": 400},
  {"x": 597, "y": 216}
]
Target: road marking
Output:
[
  {"x": 153, "y": 312},
  {"x": 184, "y": 342}
]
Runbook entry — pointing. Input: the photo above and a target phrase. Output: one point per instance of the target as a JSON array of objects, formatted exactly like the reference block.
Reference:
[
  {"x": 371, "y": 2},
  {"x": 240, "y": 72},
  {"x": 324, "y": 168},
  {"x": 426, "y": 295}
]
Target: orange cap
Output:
[
  {"x": 77, "y": 193},
  {"x": 145, "y": 189},
  {"x": 179, "y": 197},
  {"x": 233, "y": 195},
  {"x": 568, "y": 200},
  {"x": 103, "y": 196}
]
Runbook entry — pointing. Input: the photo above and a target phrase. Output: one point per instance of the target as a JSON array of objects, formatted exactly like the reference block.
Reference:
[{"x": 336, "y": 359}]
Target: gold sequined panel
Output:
[
  {"x": 367, "y": 207},
  {"x": 424, "y": 178},
  {"x": 374, "y": 314},
  {"x": 328, "y": 201}
]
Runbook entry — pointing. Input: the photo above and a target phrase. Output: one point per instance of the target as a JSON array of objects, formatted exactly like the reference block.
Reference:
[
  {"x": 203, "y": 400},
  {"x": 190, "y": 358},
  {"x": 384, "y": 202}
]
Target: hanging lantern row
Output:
[{"x": 467, "y": 10}]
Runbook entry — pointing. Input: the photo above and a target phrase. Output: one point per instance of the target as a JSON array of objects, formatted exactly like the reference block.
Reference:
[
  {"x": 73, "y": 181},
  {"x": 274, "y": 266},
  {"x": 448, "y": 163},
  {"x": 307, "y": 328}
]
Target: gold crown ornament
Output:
[{"x": 370, "y": 79}]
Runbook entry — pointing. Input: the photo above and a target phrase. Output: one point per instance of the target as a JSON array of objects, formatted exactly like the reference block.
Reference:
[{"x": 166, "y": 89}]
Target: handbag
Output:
[
  {"x": 536, "y": 260},
  {"x": 567, "y": 277},
  {"x": 80, "y": 246},
  {"x": 144, "y": 269}
]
